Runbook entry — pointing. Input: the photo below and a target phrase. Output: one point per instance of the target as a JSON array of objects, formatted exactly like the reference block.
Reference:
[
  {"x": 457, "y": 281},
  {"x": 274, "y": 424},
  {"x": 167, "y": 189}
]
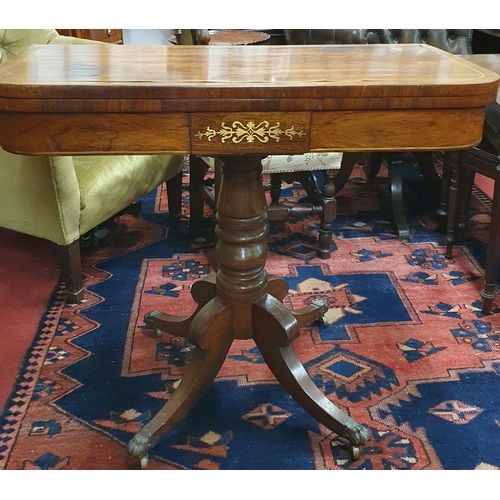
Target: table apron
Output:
[{"x": 241, "y": 132}]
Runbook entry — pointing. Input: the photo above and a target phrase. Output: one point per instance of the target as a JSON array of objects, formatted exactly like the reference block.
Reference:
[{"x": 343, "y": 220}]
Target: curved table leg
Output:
[
  {"x": 274, "y": 329},
  {"x": 374, "y": 164},
  {"x": 346, "y": 166},
  {"x": 212, "y": 328},
  {"x": 202, "y": 292},
  {"x": 278, "y": 288},
  {"x": 396, "y": 184}
]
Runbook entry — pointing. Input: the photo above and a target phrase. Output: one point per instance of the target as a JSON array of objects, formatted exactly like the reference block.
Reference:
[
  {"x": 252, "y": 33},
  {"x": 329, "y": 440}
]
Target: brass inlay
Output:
[{"x": 262, "y": 132}]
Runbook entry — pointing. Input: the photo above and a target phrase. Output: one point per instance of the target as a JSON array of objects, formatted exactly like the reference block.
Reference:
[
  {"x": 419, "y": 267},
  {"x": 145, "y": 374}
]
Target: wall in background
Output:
[{"x": 146, "y": 37}]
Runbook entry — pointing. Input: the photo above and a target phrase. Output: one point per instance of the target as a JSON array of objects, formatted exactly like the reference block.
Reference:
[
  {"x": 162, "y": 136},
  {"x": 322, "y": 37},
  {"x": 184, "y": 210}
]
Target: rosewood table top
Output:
[
  {"x": 492, "y": 117},
  {"x": 261, "y": 99},
  {"x": 241, "y": 103}
]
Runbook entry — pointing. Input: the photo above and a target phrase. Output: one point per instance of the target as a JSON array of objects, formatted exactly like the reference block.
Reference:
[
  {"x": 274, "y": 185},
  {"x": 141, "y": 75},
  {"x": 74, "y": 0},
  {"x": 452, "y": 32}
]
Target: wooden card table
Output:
[{"x": 242, "y": 104}]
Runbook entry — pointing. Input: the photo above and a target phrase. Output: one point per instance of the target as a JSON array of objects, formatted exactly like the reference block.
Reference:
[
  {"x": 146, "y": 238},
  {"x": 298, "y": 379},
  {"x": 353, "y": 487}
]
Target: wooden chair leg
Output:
[
  {"x": 464, "y": 196},
  {"x": 197, "y": 171},
  {"x": 275, "y": 189},
  {"x": 492, "y": 250},
  {"x": 455, "y": 167},
  {"x": 174, "y": 194},
  {"x": 444, "y": 198},
  {"x": 71, "y": 271},
  {"x": 327, "y": 215}
]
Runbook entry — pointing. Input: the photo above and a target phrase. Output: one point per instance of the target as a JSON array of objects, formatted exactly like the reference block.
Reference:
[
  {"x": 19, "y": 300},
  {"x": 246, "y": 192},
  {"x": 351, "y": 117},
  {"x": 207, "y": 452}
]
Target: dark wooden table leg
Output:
[
  {"x": 275, "y": 329},
  {"x": 273, "y": 326},
  {"x": 212, "y": 336},
  {"x": 202, "y": 292},
  {"x": 348, "y": 162},
  {"x": 466, "y": 179}
]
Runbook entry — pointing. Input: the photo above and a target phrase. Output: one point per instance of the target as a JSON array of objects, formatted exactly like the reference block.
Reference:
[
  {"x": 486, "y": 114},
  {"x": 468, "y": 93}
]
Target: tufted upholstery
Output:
[
  {"x": 332, "y": 36},
  {"x": 61, "y": 198},
  {"x": 451, "y": 40},
  {"x": 454, "y": 41}
]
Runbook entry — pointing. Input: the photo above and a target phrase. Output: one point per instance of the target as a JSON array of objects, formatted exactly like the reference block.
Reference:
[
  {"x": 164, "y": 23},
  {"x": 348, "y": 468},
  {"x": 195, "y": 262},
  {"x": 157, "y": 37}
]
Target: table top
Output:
[
  {"x": 491, "y": 128},
  {"x": 226, "y": 100},
  {"x": 315, "y": 77},
  {"x": 232, "y": 37},
  {"x": 488, "y": 61}
]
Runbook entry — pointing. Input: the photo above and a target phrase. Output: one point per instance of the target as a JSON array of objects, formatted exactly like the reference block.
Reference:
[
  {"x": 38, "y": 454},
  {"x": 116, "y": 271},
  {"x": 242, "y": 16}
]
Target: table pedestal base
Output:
[{"x": 241, "y": 302}]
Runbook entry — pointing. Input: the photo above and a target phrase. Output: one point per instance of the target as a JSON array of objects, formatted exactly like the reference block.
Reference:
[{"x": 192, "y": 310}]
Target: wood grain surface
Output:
[{"x": 113, "y": 99}]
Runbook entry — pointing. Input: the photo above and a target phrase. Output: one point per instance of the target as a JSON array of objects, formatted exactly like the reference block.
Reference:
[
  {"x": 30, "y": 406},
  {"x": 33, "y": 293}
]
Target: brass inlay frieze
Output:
[{"x": 238, "y": 132}]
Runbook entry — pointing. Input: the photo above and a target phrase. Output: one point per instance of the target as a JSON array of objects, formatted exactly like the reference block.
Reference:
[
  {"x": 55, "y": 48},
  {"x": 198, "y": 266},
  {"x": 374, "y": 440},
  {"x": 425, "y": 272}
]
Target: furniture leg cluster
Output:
[
  {"x": 460, "y": 169},
  {"x": 242, "y": 302}
]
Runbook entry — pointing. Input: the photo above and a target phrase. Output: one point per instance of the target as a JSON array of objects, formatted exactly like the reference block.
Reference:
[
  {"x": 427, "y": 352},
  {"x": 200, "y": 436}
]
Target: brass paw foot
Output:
[
  {"x": 139, "y": 446},
  {"x": 357, "y": 435},
  {"x": 150, "y": 316},
  {"x": 149, "y": 319},
  {"x": 322, "y": 309}
]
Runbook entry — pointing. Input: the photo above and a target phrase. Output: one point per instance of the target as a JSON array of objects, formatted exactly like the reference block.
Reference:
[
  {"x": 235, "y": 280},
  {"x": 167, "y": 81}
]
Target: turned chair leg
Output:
[
  {"x": 197, "y": 171},
  {"x": 174, "y": 195},
  {"x": 464, "y": 197},
  {"x": 444, "y": 198},
  {"x": 452, "y": 209},
  {"x": 275, "y": 189},
  {"x": 492, "y": 250},
  {"x": 463, "y": 168},
  {"x": 327, "y": 214},
  {"x": 71, "y": 272}
]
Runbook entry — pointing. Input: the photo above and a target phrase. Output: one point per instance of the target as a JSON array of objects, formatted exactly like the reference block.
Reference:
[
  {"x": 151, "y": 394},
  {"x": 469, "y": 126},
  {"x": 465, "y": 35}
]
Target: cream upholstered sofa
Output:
[{"x": 62, "y": 198}]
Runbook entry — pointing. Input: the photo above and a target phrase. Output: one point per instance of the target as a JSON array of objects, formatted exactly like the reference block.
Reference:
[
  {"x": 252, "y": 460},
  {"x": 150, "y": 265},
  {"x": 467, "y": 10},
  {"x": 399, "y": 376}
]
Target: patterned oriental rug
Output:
[{"x": 404, "y": 350}]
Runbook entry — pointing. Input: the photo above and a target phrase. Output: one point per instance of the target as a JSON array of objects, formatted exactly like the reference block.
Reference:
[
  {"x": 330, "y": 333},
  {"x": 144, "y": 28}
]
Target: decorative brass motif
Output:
[{"x": 238, "y": 132}]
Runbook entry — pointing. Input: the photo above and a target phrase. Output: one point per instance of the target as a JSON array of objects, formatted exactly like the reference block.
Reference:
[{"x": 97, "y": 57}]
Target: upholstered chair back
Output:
[
  {"x": 13, "y": 42},
  {"x": 454, "y": 41},
  {"x": 451, "y": 40}
]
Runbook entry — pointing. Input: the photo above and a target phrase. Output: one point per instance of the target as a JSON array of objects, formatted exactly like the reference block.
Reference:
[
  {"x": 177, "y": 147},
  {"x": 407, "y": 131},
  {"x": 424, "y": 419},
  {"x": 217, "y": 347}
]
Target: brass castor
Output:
[{"x": 143, "y": 462}]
